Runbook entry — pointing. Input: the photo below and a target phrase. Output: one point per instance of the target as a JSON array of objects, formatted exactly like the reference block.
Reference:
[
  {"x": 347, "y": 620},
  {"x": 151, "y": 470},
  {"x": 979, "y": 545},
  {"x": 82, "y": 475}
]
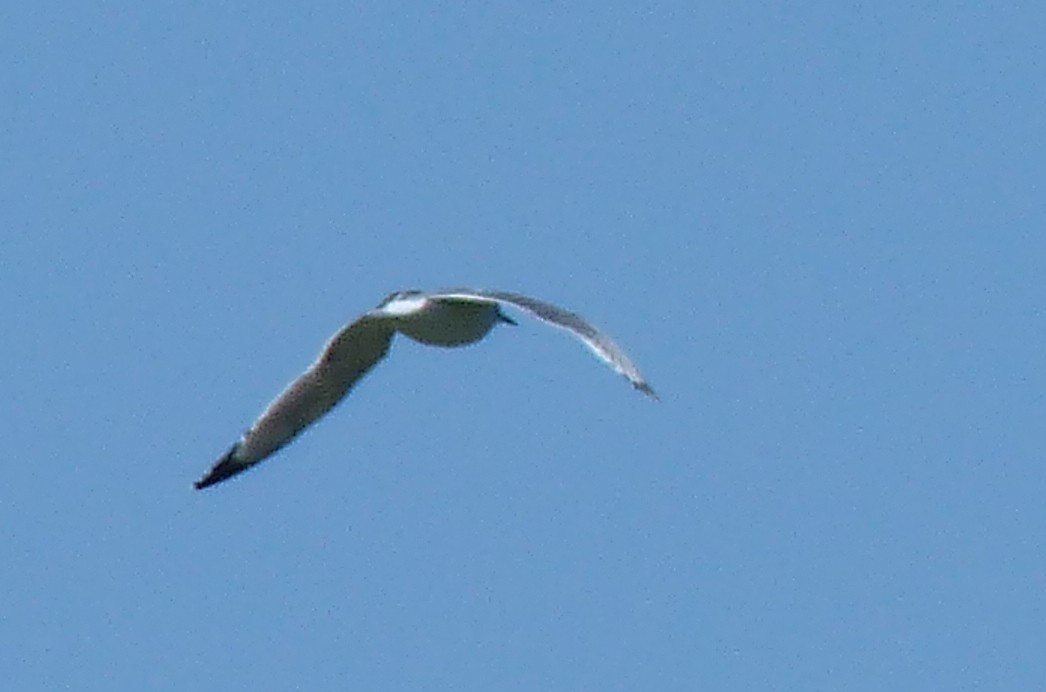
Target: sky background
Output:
[{"x": 818, "y": 228}]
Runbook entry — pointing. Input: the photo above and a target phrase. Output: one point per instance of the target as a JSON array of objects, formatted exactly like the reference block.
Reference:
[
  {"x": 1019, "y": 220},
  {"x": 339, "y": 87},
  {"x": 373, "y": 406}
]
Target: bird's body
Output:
[
  {"x": 445, "y": 318},
  {"x": 441, "y": 321}
]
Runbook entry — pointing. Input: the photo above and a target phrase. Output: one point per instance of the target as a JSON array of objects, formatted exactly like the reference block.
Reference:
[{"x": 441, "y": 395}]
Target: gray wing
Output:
[
  {"x": 345, "y": 359},
  {"x": 598, "y": 342}
]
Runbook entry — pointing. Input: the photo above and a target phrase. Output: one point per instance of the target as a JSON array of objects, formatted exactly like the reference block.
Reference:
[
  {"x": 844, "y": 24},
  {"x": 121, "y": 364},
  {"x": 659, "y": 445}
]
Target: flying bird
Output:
[{"x": 443, "y": 318}]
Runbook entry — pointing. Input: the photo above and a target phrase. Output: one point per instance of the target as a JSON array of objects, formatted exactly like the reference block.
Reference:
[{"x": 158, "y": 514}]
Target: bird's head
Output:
[{"x": 399, "y": 295}]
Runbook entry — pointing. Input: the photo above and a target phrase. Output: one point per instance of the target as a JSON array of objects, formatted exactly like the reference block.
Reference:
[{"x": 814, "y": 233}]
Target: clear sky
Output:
[{"x": 818, "y": 228}]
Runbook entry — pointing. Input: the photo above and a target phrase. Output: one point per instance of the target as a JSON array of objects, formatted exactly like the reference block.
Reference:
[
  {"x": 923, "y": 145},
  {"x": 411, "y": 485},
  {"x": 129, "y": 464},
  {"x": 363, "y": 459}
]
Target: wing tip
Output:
[
  {"x": 224, "y": 468},
  {"x": 642, "y": 386}
]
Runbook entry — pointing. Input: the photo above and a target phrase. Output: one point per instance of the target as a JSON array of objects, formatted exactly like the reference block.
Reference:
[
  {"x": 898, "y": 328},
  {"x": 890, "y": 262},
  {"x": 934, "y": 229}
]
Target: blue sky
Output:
[{"x": 817, "y": 228}]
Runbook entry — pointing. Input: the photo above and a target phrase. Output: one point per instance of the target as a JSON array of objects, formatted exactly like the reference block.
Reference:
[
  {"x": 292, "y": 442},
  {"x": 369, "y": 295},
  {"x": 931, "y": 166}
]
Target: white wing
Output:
[
  {"x": 345, "y": 359},
  {"x": 598, "y": 342}
]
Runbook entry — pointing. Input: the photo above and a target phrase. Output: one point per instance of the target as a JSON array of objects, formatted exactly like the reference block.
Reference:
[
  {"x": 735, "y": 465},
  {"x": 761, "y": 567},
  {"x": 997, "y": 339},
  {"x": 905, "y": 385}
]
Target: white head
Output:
[{"x": 403, "y": 303}]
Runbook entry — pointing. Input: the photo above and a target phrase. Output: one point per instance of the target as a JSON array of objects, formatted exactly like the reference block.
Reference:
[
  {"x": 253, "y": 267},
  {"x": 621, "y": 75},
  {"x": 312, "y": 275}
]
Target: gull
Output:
[{"x": 446, "y": 318}]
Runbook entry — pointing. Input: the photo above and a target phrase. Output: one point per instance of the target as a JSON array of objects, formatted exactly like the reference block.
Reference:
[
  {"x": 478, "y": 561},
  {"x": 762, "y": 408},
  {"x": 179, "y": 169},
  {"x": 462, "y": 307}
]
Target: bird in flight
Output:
[{"x": 443, "y": 318}]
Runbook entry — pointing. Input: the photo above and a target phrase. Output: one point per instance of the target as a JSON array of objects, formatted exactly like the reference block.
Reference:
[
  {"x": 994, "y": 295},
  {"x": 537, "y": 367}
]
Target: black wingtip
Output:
[
  {"x": 647, "y": 389},
  {"x": 224, "y": 468}
]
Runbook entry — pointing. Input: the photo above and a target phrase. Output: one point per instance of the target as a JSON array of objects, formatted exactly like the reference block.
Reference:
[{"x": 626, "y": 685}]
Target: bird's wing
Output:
[
  {"x": 346, "y": 358},
  {"x": 598, "y": 342}
]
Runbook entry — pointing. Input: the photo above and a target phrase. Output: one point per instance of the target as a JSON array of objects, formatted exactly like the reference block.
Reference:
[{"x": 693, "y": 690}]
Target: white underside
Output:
[{"x": 443, "y": 323}]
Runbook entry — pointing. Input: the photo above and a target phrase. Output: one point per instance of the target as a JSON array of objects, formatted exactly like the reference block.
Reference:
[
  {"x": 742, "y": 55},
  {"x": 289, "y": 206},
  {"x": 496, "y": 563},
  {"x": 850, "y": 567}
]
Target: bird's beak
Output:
[{"x": 505, "y": 318}]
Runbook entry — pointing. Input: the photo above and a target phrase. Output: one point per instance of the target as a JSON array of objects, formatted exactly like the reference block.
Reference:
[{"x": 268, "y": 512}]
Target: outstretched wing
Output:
[
  {"x": 345, "y": 359},
  {"x": 598, "y": 342}
]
